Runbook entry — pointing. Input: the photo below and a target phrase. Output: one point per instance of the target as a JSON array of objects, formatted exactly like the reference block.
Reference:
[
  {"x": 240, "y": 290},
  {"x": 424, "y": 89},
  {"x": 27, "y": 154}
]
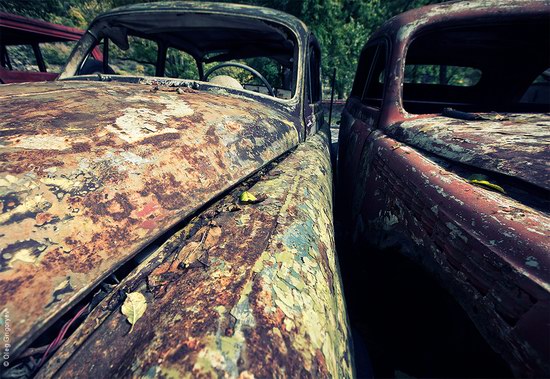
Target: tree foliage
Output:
[{"x": 341, "y": 26}]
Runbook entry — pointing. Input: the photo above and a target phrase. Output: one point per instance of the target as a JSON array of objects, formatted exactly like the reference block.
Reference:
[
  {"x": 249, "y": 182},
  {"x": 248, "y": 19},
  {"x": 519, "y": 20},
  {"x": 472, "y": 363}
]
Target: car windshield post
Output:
[{"x": 161, "y": 59}]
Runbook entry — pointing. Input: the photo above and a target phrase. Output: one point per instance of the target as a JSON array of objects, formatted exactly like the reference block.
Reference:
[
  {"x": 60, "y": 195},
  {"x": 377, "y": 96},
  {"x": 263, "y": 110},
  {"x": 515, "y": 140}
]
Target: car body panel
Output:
[
  {"x": 8, "y": 76},
  {"x": 112, "y": 184},
  {"x": 29, "y": 29},
  {"x": 83, "y": 192},
  {"x": 490, "y": 251},
  {"x": 269, "y": 303},
  {"x": 495, "y": 145},
  {"x": 408, "y": 181}
]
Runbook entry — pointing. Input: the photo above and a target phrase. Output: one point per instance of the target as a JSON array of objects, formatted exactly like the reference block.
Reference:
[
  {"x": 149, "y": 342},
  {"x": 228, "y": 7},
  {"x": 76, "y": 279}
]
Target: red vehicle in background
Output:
[{"x": 33, "y": 50}]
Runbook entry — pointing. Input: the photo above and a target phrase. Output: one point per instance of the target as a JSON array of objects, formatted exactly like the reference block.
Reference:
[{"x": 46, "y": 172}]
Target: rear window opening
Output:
[
  {"x": 500, "y": 67},
  {"x": 21, "y": 58},
  {"x": 439, "y": 74},
  {"x": 442, "y": 75}
]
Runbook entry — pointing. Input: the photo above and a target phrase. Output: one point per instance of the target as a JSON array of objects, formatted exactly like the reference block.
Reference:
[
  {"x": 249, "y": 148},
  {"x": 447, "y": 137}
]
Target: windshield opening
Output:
[{"x": 229, "y": 51}]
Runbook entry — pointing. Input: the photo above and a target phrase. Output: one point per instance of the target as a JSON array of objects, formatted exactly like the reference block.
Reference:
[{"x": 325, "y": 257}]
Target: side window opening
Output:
[
  {"x": 363, "y": 68},
  {"x": 21, "y": 58},
  {"x": 444, "y": 69},
  {"x": 5, "y": 61},
  {"x": 314, "y": 74},
  {"x": 539, "y": 91},
  {"x": 374, "y": 90}
]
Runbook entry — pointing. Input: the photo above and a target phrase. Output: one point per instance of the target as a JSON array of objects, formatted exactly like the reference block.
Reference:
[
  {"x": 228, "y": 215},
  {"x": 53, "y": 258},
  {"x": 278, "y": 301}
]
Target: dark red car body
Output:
[
  {"x": 19, "y": 30},
  {"x": 455, "y": 174}
]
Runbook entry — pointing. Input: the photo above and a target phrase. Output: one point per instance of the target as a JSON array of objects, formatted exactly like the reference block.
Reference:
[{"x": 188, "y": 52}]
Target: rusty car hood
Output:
[
  {"x": 515, "y": 145},
  {"x": 93, "y": 172}
]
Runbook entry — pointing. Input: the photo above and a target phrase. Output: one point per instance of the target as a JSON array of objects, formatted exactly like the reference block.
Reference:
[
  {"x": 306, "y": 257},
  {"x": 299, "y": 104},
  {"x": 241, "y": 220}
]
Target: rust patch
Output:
[
  {"x": 77, "y": 184},
  {"x": 517, "y": 147},
  {"x": 258, "y": 304}
]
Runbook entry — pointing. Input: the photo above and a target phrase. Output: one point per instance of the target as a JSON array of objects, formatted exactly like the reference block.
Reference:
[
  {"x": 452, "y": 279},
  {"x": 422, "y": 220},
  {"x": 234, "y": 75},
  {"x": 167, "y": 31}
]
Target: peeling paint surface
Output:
[
  {"x": 491, "y": 251},
  {"x": 211, "y": 8},
  {"x": 82, "y": 192},
  {"x": 265, "y": 302},
  {"x": 517, "y": 145},
  {"x": 404, "y": 181}
]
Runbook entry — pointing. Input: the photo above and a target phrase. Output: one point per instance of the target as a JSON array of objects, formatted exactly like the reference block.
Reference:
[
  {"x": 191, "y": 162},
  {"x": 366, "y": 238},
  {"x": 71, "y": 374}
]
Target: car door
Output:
[{"x": 359, "y": 120}]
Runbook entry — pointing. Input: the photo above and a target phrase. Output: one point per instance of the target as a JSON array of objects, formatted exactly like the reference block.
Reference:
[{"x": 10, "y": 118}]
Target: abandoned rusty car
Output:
[
  {"x": 443, "y": 157},
  {"x": 158, "y": 223}
]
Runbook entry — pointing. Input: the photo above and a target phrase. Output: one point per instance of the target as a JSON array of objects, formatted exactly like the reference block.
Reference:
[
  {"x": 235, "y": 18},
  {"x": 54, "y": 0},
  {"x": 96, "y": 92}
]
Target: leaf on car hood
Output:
[
  {"x": 246, "y": 197},
  {"x": 213, "y": 236},
  {"x": 134, "y": 307},
  {"x": 481, "y": 180}
]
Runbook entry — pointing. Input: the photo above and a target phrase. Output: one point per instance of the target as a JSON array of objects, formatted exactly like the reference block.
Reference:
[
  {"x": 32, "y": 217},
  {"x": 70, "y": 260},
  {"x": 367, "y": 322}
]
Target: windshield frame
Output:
[{"x": 94, "y": 35}]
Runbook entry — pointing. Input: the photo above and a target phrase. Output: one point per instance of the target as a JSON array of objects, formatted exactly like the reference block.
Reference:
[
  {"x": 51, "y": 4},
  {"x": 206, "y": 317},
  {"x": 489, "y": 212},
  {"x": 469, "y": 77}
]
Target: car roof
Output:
[
  {"x": 19, "y": 30},
  {"x": 228, "y": 31},
  {"x": 404, "y": 25},
  {"x": 211, "y": 7}
]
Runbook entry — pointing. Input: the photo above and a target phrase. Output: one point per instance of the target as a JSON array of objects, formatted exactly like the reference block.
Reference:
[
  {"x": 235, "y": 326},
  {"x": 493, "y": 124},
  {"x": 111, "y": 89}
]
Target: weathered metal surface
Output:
[
  {"x": 403, "y": 182},
  {"x": 295, "y": 24},
  {"x": 254, "y": 291},
  {"x": 93, "y": 172},
  {"x": 491, "y": 251},
  {"x": 516, "y": 145},
  {"x": 405, "y": 25}
]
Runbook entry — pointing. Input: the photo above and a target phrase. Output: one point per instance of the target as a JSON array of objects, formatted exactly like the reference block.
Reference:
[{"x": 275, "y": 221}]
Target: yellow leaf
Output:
[
  {"x": 247, "y": 197},
  {"x": 134, "y": 307},
  {"x": 485, "y": 183}
]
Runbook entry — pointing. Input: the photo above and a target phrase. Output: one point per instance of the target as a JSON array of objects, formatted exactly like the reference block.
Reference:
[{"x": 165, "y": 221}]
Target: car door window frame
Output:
[
  {"x": 313, "y": 110},
  {"x": 368, "y": 60},
  {"x": 382, "y": 52}
]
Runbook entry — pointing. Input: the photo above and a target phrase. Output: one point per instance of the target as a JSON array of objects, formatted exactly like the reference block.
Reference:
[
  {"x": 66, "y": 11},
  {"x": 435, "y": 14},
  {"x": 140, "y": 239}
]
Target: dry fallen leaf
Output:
[
  {"x": 191, "y": 252},
  {"x": 213, "y": 236},
  {"x": 134, "y": 307}
]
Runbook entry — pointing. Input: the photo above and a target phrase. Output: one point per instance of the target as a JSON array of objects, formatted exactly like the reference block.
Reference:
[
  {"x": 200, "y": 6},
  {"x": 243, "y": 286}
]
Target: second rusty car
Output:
[
  {"x": 30, "y": 49},
  {"x": 158, "y": 220},
  {"x": 443, "y": 153}
]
